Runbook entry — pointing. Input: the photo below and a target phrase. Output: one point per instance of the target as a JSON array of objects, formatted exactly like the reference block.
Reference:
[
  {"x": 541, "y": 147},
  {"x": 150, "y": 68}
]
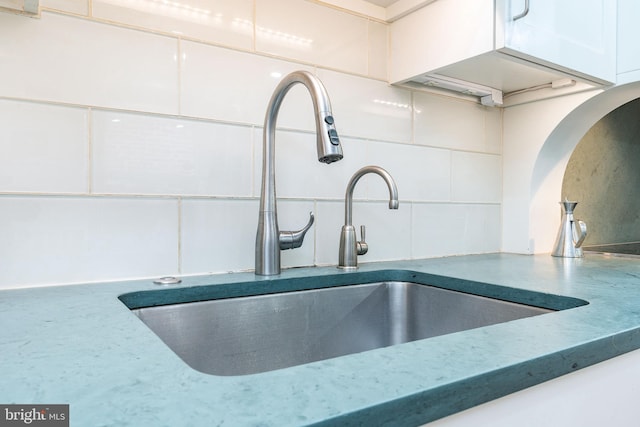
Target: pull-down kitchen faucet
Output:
[{"x": 269, "y": 240}]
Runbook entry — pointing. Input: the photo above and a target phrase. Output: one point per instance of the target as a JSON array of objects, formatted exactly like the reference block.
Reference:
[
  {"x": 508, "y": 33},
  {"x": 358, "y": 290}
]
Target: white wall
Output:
[{"x": 131, "y": 141}]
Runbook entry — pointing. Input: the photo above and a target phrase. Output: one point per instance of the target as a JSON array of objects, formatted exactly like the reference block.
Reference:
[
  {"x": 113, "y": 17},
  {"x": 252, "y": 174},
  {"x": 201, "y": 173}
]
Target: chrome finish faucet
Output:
[
  {"x": 269, "y": 240},
  {"x": 350, "y": 247}
]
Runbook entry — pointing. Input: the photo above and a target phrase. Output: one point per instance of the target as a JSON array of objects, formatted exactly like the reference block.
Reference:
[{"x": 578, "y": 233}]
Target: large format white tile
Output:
[
  {"x": 49, "y": 240},
  {"x": 235, "y": 86},
  {"x": 420, "y": 173},
  {"x": 81, "y": 7},
  {"x": 367, "y": 108},
  {"x": 223, "y": 22},
  {"x": 329, "y": 222},
  {"x": 484, "y": 230},
  {"x": 454, "y": 229},
  {"x": 438, "y": 229},
  {"x": 145, "y": 154},
  {"x": 449, "y": 123},
  {"x": 388, "y": 231},
  {"x": 45, "y": 148},
  {"x": 67, "y": 59},
  {"x": 217, "y": 235},
  {"x": 299, "y": 174},
  {"x": 312, "y": 33},
  {"x": 476, "y": 177}
]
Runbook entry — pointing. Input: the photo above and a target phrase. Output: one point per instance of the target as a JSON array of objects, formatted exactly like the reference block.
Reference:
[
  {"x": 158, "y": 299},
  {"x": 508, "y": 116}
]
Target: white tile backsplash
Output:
[
  {"x": 454, "y": 229},
  {"x": 450, "y": 123},
  {"x": 71, "y": 60},
  {"x": 483, "y": 229},
  {"x": 137, "y": 152},
  {"x": 476, "y": 177},
  {"x": 141, "y": 154},
  {"x": 51, "y": 156},
  {"x": 48, "y": 240},
  {"x": 216, "y": 21},
  {"x": 217, "y": 235},
  {"x": 329, "y": 222},
  {"x": 80, "y": 7},
  {"x": 299, "y": 174},
  {"x": 438, "y": 229},
  {"x": 311, "y": 33},
  {"x": 224, "y": 84},
  {"x": 421, "y": 173},
  {"x": 388, "y": 231},
  {"x": 368, "y": 108}
]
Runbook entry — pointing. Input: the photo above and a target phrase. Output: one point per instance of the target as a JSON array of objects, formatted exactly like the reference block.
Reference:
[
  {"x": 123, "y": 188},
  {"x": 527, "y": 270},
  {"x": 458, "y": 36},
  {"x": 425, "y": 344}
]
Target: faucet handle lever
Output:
[
  {"x": 362, "y": 246},
  {"x": 294, "y": 239}
]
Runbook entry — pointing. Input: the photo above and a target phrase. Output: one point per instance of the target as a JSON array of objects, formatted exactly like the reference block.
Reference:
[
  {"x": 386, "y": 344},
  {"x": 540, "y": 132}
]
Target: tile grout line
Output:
[
  {"x": 254, "y": 43},
  {"x": 315, "y": 232},
  {"x": 90, "y": 151},
  {"x": 411, "y": 237},
  {"x": 179, "y": 74},
  {"x": 179, "y": 235}
]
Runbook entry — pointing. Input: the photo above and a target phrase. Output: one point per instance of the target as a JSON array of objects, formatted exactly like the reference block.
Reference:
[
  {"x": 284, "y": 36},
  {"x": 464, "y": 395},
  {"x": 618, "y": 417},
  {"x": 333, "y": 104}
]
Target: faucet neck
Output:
[
  {"x": 322, "y": 110},
  {"x": 393, "y": 190}
]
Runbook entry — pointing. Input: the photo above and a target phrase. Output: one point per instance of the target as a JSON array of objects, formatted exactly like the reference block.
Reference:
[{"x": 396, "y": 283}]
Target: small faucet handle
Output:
[
  {"x": 583, "y": 232},
  {"x": 362, "y": 246},
  {"x": 294, "y": 239}
]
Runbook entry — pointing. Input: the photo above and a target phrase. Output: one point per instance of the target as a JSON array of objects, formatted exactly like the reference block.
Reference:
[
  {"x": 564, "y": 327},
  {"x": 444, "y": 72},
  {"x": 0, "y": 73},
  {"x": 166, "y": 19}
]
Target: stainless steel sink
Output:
[{"x": 252, "y": 334}]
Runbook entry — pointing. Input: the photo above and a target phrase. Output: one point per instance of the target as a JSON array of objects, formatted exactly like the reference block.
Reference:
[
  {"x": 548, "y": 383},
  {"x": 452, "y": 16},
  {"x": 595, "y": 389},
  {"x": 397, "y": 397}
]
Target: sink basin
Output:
[{"x": 257, "y": 333}]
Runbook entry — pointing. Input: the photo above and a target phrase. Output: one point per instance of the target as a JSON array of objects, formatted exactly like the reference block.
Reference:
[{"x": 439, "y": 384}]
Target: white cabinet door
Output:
[
  {"x": 576, "y": 36},
  {"x": 628, "y": 36}
]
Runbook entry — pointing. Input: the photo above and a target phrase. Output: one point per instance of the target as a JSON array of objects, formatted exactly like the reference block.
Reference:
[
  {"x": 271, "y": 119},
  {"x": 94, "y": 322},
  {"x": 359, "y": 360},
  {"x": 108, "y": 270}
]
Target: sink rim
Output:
[
  {"x": 181, "y": 295},
  {"x": 265, "y": 286}
]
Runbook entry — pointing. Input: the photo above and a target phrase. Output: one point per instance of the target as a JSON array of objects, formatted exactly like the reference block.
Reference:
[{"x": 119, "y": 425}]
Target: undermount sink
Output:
[{"x": 238, "y": 335}]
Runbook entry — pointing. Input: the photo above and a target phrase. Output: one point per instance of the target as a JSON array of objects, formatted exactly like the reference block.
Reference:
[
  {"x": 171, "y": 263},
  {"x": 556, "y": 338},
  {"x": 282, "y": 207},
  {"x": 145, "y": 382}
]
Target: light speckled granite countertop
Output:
[{"x": 81, "y": 345}]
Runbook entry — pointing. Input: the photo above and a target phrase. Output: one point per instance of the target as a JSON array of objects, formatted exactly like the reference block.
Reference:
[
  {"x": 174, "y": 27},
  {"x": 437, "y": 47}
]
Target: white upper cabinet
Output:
[
  {"x": 485, "y": 42},
  {"x": 576, "y": 36},
  {"x": 628, "y": 36}
]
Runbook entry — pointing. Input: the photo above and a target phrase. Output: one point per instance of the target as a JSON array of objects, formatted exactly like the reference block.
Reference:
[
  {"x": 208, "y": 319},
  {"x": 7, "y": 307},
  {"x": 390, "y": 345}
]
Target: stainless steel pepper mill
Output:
[{"x": 571, "y": 234}]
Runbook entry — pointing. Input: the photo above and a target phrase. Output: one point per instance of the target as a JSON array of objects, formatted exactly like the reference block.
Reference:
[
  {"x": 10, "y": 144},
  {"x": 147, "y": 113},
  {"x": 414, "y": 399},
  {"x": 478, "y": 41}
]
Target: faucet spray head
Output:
[{"x": 328, "y": 142}]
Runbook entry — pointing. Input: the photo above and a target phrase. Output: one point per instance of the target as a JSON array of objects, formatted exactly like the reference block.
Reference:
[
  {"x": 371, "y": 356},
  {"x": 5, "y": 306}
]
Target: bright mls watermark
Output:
[{"x": 34, "y": 415}]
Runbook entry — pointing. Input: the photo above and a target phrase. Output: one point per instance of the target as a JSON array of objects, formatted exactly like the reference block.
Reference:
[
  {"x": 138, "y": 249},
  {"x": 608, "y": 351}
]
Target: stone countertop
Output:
[{"x": 79, "y": 344}]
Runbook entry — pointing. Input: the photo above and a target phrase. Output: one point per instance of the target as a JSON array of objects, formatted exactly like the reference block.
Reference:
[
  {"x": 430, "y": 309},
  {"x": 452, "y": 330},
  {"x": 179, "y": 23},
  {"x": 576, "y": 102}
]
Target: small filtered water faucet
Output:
[
  {"x": 269, "y": 240},
  {"x": 350, "y": 247}
]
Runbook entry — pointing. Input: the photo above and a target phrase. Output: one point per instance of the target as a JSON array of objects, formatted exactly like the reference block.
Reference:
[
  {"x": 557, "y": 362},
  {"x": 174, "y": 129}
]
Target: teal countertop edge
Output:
[{"x": 80, "y": 344}]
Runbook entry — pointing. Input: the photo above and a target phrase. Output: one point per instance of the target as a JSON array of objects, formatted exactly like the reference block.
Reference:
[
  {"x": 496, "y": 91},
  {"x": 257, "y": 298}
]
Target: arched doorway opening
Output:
[
  {"x": 603, "y": 174},
  {"x": 552, "y": 160}
]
